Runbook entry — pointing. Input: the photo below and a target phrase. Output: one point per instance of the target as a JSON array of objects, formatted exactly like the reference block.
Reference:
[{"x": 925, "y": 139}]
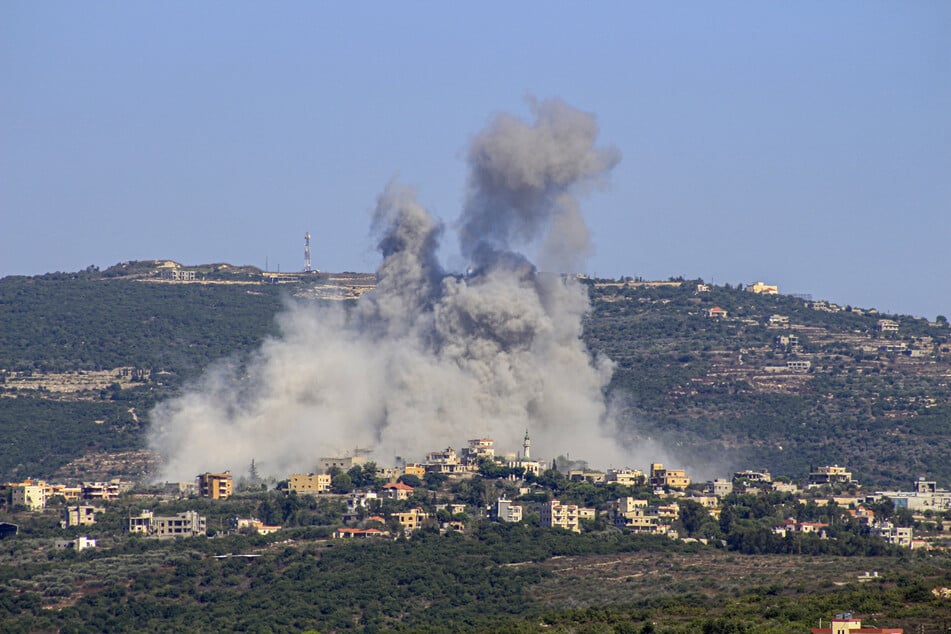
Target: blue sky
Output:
[{"x": 805, "y": 144}]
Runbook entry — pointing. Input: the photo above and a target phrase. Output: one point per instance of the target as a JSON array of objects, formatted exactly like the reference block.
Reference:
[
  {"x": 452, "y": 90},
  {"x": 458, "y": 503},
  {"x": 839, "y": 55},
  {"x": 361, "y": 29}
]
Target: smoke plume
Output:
[{"x": 430, "y": 359}]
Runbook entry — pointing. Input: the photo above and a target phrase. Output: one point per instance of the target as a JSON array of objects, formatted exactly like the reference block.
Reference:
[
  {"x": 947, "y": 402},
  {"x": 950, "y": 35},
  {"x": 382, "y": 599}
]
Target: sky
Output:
[{"x": 802, "y": 144}]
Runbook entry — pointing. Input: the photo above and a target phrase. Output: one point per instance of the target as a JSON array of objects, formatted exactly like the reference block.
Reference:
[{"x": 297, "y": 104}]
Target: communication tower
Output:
[{"x": 307, "y": 267}]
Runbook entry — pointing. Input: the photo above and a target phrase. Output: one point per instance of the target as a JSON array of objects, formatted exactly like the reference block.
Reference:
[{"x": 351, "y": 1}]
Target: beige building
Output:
[
  {"x": 105, "y": 490},
  {"x": 310, "y": 483},
  {"x": 829, "y": 475},
  {"x": 32, "y": 496},
  {"x": 397, "y": 491},
  {"x": 217, "y": 486},
  {"x": 478, "y": 449},
  {"x": 668, "y": 478},
  {"x": 80, "y": 515},
  {"x": 411, "y": 520},
  {"x": 256, "y": 525},
  {"x": 765, "y": 289},
  {"x": 343, "y": 463},
  {"x": 554, "y": 514},
  {"x": 637, "y": 516},
  {"x": 187, "y": 524},
  {"x": 415, "y": 469},
  {"x": 505, "y": 511},
  {"x": 626, "y": 477}
]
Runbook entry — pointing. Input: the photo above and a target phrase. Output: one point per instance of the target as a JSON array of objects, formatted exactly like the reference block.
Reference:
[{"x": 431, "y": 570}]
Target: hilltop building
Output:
[{"x": 764, "y": 289}]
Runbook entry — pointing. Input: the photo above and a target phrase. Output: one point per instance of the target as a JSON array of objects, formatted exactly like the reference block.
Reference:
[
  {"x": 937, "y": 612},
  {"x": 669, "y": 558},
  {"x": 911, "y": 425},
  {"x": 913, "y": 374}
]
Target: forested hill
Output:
[
  {"x": 779, "y": 382},
  {"x": 84, "y": 356}
]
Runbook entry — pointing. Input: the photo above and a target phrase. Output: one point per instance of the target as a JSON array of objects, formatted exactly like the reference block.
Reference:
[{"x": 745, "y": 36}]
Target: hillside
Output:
[
  {"x": 84, "y": 356},
  {"x": 876, "y": 401}
]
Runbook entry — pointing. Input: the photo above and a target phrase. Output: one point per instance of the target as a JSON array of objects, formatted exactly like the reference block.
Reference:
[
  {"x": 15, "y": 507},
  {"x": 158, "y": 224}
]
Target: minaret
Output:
[{"x": 526, "y": 447}]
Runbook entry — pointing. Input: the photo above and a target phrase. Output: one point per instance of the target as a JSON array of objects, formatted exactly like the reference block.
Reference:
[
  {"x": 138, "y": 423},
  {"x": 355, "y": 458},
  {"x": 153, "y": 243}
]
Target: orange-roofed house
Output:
[
  {"x": 716, "y": 313},
  {"x": 397, "y": 491}
]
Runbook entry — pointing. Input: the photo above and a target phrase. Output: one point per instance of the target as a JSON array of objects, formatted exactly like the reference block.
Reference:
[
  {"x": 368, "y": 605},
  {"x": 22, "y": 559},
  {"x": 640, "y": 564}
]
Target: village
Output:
[{"x": 450, "y": 490}]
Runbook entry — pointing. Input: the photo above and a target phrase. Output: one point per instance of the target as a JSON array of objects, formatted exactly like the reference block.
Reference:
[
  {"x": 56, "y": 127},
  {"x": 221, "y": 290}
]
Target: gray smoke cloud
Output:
[{"x": 430, "y": 359}]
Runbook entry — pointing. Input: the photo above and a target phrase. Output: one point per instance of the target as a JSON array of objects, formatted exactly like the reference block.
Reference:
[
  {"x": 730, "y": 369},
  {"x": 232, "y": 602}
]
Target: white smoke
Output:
[{"x": 428, "y": 359}]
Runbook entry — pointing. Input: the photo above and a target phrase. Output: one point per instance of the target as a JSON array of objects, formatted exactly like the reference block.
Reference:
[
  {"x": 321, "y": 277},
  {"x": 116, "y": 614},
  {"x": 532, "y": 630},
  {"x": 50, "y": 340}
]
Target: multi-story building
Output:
[
  {"x": 554, "y": 514},
  {"x": 926, "y": 496},
  {"x": 342, "y": 463},
  {"x": 31, "y": 495},
  {"x": 720, "y": 487},
  {"x": 310, "y": 483},
  {"x": 178, "y": 275},
  {"x": 829, "y": 475},
  {"x": 479, "y": 449},
  {"x": 104, "y": 490},
  {"x": 217, "y": 486},
  {"x": 668, "y": 478},
  {"x": 626, "y": 477},
  {"x": 358, "y": 501},
  {"x": 895, "y": 535},
  {"x": 887, "y": 325},
  {"x": 505, "y": 511},
  {"x": 187, "y": 524},
  {"x": 753, "y": 476},
  {"x": 411, "y": 520},
  {"x": 80, "y": 515},
  {"x": 638, "y": 516}
]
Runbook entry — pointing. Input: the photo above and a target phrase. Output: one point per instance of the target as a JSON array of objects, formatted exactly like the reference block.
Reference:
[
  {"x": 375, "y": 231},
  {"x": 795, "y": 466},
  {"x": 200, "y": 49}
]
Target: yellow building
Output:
[
  {"x": 411, "y": 520},
  {"x": 638, "y": 517},
  {"x": 310, "y": 483},
  {"x": 217, "y": 486},
  {"x": 554, "y": 514},
  {"x": 759, "y": 287},
  {"x": 32, "y": 496},
  {"x": 415, "y": 469},
  {"x": 669, "y": 478}
]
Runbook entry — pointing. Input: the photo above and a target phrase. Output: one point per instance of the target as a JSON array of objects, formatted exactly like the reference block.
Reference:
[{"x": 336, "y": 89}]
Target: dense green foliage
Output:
[
  {"x": 499, "y": 578},
  {"x": 55, "y": 323},
  {"x": 680, "y": 377},
  {"x": 699, "y": 382}
]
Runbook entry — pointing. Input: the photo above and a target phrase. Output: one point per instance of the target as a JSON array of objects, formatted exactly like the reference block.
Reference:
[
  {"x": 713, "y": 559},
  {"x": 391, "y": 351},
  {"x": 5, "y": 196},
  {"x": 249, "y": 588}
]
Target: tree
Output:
[
  {"x": 411, "y": 480},
  {"x": 342, "y": 483}
]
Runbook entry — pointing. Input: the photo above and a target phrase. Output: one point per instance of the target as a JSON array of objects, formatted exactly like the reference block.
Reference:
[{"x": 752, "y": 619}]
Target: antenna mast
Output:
[{"x": 307, "y": 267}]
